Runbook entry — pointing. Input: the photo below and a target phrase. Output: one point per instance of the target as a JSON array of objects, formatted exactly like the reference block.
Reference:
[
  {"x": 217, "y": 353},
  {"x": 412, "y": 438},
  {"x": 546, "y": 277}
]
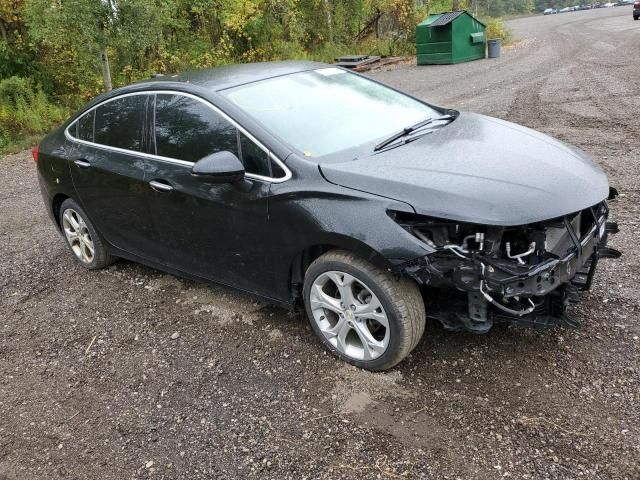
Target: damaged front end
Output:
[{"x": 526, "y": 275}]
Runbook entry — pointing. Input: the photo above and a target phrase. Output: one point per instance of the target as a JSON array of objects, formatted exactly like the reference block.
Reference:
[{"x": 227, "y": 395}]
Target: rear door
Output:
[
  {"x": 216, "y": 231},
  {"x": 108, "y": 170}
]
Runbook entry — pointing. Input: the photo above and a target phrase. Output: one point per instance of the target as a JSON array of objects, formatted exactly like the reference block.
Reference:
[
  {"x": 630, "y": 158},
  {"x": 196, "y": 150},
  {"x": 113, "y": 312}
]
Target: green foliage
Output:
[
  {"x": 496, "y": 29},
  {"x": 95, "y": 29},
  {"x": 146, "y": 36},
  {"x": 52, "y": 49},
  {"x": 130, "y": 26},
  {"x": 25, "y": 110},
  {"x": 14, "y": 61}
]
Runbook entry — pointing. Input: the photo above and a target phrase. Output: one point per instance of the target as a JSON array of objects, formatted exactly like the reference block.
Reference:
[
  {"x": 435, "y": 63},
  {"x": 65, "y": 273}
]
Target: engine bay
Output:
[{"x": 526, "y": 274}]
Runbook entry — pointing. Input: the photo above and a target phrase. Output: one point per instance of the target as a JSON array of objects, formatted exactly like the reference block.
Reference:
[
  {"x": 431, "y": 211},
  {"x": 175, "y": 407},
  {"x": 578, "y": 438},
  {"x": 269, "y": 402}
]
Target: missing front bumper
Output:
[{"x": 501, "y": 290}]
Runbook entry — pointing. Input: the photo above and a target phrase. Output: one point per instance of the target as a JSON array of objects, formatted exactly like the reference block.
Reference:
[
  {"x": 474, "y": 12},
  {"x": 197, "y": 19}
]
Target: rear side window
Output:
[
  {"x": 187, "y": 129},
  {"x": 85, "y": 127},
  {"x": 119, "y": 123}
]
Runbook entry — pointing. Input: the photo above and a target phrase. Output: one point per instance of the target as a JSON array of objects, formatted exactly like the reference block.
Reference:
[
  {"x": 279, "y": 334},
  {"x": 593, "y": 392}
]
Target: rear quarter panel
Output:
[{"x": 54, "y": 174}]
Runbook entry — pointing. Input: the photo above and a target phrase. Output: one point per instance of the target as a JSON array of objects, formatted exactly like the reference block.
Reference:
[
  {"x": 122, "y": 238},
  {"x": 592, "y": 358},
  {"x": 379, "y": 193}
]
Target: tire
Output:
[
  {"x": 81, "y": 236},
  {"x": 338, "y": 275}
]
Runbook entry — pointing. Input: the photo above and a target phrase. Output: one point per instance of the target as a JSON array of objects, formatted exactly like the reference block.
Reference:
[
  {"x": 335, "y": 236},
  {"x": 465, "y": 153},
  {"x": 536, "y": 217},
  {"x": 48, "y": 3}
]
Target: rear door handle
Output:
[
  {"x": 160, "y": 186},
  {"x": 82, "y": 163}
]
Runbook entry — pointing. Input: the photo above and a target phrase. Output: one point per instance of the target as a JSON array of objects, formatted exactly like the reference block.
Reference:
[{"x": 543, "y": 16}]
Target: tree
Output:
[{"x": 93, "y": 27}]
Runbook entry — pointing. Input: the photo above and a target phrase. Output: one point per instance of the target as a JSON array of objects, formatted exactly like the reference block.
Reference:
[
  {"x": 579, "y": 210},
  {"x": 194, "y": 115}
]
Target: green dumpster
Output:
[{"x": 450, "y": 37}]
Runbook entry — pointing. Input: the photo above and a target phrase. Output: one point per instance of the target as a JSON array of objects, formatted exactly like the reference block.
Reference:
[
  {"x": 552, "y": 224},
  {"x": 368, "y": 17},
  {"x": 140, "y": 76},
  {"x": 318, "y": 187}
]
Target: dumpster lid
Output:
[{"x": 445, "y": 18}]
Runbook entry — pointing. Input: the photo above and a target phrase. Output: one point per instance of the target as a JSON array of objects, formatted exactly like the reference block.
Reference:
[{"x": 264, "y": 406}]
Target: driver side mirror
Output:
[{"x": 219, "y": 167}]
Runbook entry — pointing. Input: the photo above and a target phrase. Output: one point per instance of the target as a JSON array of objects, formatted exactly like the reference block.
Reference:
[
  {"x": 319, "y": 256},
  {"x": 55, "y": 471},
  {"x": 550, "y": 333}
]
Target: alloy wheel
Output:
[
  {"x": 78, "y": 235},
  {"x": 349, "y": 315}
]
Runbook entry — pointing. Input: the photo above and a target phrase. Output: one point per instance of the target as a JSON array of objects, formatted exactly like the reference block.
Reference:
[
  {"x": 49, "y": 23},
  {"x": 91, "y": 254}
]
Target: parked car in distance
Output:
[
  {"x": 564, "y": 10},
  {"x": 309, "y": 185},
  {"x": 549, "y": 11},
  {"x": 636, "y": 10}
]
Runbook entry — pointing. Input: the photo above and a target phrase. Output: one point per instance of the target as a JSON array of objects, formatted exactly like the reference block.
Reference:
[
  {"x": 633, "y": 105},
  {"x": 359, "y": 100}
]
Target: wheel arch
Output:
[
  {"x": 305, "y": 257},
  {"x": 56, "y": 204}
]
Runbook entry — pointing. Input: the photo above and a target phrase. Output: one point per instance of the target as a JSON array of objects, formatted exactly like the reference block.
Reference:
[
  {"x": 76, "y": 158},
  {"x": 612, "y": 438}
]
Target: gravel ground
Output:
[{"x": 131, "y": 373}]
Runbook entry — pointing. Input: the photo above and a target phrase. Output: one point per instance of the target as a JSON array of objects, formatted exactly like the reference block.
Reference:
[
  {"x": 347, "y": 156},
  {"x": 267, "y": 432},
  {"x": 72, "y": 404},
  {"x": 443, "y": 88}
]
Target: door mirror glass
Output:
[{"x": 219, "y": 167}]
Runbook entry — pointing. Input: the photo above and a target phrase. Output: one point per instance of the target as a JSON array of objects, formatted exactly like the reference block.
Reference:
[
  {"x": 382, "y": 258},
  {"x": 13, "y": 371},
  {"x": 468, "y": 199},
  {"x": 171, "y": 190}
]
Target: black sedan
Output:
[{"x": 309, "y": 185}]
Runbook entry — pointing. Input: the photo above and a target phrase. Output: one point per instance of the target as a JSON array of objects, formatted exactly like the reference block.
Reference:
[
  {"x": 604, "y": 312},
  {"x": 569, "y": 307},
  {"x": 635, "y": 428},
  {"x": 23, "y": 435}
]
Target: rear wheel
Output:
[
  {"x": 363, "y": 314},
  {"x": 82, "y": 238}
]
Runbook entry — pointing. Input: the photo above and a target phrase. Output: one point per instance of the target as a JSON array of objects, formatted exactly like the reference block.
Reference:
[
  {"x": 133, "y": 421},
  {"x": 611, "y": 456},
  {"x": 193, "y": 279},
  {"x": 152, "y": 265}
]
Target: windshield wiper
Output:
[{"x": 408, "y": 130}]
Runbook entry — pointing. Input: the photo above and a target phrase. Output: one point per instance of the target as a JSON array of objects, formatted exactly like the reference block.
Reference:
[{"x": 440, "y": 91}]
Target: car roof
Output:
[{"x": 228, "y": 76}]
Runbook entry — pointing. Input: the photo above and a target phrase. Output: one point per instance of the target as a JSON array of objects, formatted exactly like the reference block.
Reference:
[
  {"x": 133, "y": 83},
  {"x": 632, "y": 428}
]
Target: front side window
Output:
[
  {"x": 187, "y": 129},
  {"x": 324, "y": 111},
  {"x": 255, "y": 159},
  {"x": 120, "y": 122}
]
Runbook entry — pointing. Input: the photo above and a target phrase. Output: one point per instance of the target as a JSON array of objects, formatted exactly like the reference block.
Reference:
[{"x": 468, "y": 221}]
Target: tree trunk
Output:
[
  {"x": 3, "y": 32},
  {"x": 327, "y": 7},
  {"x": 106, "y": 71},
  {"x": 456, "y": 5}
]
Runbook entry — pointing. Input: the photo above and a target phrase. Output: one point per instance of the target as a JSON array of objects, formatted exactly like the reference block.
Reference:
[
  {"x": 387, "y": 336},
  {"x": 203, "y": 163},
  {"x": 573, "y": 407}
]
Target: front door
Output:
[
  {"x": 216, "y": 231},
  {"x": 108, "y": 171}
]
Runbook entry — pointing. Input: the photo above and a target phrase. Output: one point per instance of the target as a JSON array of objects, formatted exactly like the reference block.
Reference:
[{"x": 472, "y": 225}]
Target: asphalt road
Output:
[{"x": 95, "y": 383}]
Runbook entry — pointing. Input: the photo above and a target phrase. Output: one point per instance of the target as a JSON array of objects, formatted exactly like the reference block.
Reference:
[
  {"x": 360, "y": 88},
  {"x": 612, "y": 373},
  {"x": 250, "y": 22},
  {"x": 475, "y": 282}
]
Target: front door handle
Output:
[
  {"x": 82, "y": 163},
  {"x": 160, "y": 186}
]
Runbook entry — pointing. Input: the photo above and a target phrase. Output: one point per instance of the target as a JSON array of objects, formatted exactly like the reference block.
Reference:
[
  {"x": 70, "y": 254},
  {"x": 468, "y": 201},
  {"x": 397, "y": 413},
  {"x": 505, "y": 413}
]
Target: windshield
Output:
[{"x": 324, "y": 111}]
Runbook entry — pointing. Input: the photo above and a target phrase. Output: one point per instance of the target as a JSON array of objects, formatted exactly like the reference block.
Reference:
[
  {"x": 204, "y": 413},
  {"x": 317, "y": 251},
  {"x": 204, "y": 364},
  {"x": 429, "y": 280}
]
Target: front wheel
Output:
[{"x": 363, "y": 314}]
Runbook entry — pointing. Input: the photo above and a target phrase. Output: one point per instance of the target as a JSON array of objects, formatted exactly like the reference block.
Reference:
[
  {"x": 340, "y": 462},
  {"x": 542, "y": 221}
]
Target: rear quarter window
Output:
[{"x": 84, "y": 127}]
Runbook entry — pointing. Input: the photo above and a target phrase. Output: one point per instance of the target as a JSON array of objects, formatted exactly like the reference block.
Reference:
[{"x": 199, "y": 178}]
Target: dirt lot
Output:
[{"x": 130, "y": 373}]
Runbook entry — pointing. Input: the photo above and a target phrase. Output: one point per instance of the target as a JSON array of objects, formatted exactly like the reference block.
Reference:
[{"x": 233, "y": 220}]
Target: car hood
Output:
[{"x": 482, "y": 170}]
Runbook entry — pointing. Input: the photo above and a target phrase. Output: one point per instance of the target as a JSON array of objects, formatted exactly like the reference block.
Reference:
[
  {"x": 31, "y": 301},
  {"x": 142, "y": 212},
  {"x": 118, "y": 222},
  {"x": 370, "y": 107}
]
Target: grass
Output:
[
  {"x": 19, "y": 144},
  {"x": 26, "y": 114}
]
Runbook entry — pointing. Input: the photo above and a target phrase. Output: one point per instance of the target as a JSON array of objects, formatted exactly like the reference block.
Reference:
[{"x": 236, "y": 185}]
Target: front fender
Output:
[{"x": 330, "y": 216}]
